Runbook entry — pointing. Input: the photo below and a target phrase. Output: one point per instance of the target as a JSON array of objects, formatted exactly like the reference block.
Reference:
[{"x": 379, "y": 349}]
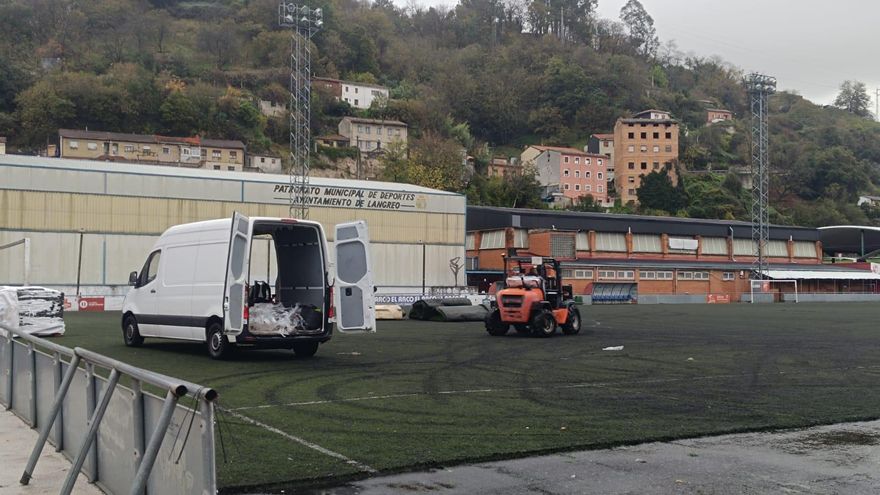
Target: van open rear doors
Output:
[
  {"x": 234, "y": 299},
  {"x": 353, "y": 294}
]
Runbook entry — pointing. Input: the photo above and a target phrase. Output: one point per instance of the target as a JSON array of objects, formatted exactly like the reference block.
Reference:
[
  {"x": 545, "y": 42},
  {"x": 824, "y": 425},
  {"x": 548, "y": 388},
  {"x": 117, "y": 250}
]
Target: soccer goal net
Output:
[
  {"x": 773, "y": 291},
  {"x": 16, "y": 254}
]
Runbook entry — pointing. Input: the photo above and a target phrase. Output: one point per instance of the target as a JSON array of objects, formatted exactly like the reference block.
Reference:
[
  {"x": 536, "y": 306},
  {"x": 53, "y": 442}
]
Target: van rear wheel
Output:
[
  {"x": 305, "y": 349},
  {"x": 130, "y": 333},
  {"x": 219, "y": 347}
]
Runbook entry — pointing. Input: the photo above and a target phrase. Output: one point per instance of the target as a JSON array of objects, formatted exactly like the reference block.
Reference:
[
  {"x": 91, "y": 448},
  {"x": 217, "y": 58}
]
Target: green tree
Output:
[
  {"x": 180, "y": 117},
  {"x": 586, "y": 203},
  {"x": 640, "y": 25},
  {"x": 657, "y": 192},
  {"x": 853, "y": 98},
  {"x": 40, "y": 112}
]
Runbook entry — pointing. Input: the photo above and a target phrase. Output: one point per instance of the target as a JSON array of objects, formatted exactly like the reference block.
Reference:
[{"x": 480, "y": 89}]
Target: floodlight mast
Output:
[
  {"x": 304, "y": 23},
  {"x": 760, "y": 87}
]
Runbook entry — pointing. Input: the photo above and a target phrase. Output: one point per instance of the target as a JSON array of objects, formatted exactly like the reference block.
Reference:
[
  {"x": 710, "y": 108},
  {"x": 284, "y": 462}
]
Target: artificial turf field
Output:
[{"x": 420, "y": 394}]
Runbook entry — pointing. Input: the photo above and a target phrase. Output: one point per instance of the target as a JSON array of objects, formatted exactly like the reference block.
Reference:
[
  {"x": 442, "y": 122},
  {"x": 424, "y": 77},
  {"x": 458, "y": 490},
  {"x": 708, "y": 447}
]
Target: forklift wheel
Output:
[
  {"x": 494, "y": 325},
  {"x": 573, "y": 324},
  {"x": 543, "y": 324}
]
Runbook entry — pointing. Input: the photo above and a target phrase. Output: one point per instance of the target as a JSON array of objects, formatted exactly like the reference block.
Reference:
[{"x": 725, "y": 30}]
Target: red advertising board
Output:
[
  {"x": 91, "y": 304},
  {"x": 718, "y": 298}
]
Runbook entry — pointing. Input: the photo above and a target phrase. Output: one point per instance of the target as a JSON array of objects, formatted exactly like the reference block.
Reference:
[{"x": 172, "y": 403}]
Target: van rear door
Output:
[
  {"x": 234, "y": 299},
  {"x": 353, "y": 294}
]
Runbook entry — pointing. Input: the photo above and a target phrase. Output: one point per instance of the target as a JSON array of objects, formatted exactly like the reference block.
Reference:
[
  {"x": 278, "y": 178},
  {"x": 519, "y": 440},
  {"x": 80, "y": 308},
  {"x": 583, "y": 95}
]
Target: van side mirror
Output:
[{"x": 133, "y": 278}]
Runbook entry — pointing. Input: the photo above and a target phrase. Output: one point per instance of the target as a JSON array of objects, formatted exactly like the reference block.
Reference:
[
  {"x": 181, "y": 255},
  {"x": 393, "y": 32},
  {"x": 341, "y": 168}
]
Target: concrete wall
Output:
[{"x": 833, "y": 297}]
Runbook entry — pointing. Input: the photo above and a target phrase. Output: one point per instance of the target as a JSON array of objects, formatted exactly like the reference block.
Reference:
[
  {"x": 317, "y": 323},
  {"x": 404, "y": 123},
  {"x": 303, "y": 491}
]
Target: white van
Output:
[{"x": 258, "y": 282}]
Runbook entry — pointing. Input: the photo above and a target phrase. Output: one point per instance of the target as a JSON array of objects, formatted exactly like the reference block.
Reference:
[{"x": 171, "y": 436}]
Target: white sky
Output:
[{"x": 810, "y": 46}]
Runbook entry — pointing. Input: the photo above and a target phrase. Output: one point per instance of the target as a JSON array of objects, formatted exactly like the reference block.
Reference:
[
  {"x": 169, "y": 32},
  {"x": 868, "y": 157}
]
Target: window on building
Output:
[
  {"x": 204, "y": 154},
  {"x": 656, "y": 165},
  {"x": 743, "y": 247},
  {"x": 656, "y": 135},
  {"x": 625, "y": 275},
  {"x": 74, "y": 145},
  {"x": 347, "y": 89},
  {"x": 631, "y": 192},
  {"x": 587, "y": 174},
  {"x": 656, "y": 149},
  {"x": 668, "y": 135},
  {"x": 92, "y": 146},
  {"x": 577, "y": 173},
  {"x": 347, "y": 100},
  {"x": 355, "y": 91},
  {"x": 565, "y": 159},
  {"x": 631, "y": 179},
  {"x": 582, "y": 241},
  {"x": 646, "y": 243},
  {"x": 233, "y": 155},
  {"x": 643, "y": 148},
  {"x": 492, "y": 239},
  {"x": 631, "y": 135},
  {"x": 606, "y": 274},
  {"x": 186, "y": 152},
  {"x": 631, "y": 165},
  {"x": 356, "y": 103},
  {"x": 562, "y": 245},
  {"x": 215, "y": 154},
  {"x": 520, "y": 238},
  {"x": 146, "y": 149},
  {"x": 469, "y": 241},
  {"x": 728, "y": 276},
  {"x": 644, "y": 135},
  {"x": 129, "y": 148},
  {"x": 262, "y": 160},
  {"x": 701, "y": 275},
  {"x": 472, "y": 263},
  {"x": 643, "y": 275},
  {"x": 360, "y": 128},
  {"x": 367, "y": 129},
  {"x": 586, "y": 161},
  {"x": 644, "y": 165},
  {"x": 216, "y": 167},
  {"x": 577, "y": 187},
  {"x": 685, "y": 275},
  {"x": 588, "y": 188},
  {"x": 599, "y": 175},
  {"x": 668, "y": 149},
  {"x": 583, "y": 274},
  {"x": 230, "y": 168},
  {"x": 599, "y": 162},
  {"x": 166, "y": 150},
  {"x": 577, "y": 160},
  {"x": 565, "y": 186},
  {"x": 612, "y": 242},
  {"x": 631, "y": 148},
  {"x": 713, "y": 245},
  {"x": 389, "y": 131},
  {"x": 600, "y": 189},
  {"x": 804, "y": 249},
  {"x": 565, "y": 173}
]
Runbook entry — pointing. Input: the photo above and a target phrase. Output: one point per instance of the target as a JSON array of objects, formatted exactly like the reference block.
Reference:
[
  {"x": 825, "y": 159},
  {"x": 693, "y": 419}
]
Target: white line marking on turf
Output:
[{"x": 313, "y": 446}]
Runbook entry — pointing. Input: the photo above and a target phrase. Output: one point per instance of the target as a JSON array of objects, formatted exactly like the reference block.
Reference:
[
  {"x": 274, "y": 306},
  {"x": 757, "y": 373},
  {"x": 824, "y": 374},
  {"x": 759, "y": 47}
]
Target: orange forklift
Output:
[{"x": 533, "y": 300}]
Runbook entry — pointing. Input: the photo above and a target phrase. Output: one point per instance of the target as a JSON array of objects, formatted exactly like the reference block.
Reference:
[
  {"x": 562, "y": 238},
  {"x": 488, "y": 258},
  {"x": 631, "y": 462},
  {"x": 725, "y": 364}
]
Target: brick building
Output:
[
  {"x": 650, "y": 257},
  {"x": 568, "y": 173},
  {"x": 643, "y": 144},
  {"x": 603, "y": 144}
]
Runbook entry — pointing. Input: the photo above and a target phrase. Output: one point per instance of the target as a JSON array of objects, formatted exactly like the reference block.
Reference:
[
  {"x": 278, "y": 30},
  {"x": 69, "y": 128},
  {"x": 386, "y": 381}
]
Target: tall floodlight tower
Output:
[
  {"x": 304, "y": 23},
  {"x": 760, "y": 87}
]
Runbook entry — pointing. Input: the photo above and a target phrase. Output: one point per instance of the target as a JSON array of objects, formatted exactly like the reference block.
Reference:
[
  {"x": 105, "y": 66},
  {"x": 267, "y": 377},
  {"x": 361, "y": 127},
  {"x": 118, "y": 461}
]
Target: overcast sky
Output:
[{"x": 810, "y": 46}]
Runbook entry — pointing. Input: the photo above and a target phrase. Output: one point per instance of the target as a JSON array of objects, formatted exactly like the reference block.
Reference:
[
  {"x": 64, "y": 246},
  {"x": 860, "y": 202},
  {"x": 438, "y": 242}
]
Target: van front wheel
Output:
[
  {"x": 219, "y": 346},
  {"x": 305, "y": 349},
  {"x": 130, "y": 333}
]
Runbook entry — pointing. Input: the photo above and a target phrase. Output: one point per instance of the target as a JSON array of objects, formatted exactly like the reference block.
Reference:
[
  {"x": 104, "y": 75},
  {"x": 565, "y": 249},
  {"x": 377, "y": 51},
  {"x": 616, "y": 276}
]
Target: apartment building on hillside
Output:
[
  {"x": 195, "y": 152},
  {"x": 357, "y": 94},
  {"x": 567, "y": 174},
  {"x": 372, "y": 135},
  {"x": 603, "y": 144},
  {"x": 645, "y": 143}
]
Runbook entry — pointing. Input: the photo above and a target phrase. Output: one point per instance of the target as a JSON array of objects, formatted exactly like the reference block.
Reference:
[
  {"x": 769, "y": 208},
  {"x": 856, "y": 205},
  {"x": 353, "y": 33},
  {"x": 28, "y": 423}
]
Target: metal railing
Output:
[{"x": 67, "y": 403}]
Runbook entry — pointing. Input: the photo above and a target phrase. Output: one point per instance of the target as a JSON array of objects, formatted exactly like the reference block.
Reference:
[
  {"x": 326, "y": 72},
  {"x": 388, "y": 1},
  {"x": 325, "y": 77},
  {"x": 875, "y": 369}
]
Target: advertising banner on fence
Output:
[
  {"x": 718, "y": 298},
  {"x": 91, "y": 304}
]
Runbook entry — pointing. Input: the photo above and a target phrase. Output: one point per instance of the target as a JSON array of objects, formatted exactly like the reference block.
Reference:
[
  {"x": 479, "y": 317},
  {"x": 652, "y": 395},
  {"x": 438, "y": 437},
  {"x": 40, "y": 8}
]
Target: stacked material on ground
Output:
[
  {"x": 390, "y": 312},
  {"x": 456, "y": 309},
  {"x": 36, "y": 310}
]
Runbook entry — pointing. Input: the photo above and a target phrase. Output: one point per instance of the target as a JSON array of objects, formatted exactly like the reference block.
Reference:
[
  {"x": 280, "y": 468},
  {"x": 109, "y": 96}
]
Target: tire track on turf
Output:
[{"x": 359, "y": 465}]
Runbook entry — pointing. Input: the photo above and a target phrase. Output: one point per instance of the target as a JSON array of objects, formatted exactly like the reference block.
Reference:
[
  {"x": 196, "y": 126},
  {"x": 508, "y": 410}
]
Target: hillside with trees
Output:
[{"x": 488, "y": 77}]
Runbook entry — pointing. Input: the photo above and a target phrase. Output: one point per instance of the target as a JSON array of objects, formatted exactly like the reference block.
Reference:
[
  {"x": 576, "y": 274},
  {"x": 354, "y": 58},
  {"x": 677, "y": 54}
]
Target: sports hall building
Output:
[{"x": 632, "y": 258}]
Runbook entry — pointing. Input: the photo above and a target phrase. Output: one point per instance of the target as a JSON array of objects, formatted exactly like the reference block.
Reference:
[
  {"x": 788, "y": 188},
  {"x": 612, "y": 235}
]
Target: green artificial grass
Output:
[{"x": 422, "y": 394}]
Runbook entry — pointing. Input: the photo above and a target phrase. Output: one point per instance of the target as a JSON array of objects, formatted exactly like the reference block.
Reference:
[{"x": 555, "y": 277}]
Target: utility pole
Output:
[{"x": 877, "y": 104}]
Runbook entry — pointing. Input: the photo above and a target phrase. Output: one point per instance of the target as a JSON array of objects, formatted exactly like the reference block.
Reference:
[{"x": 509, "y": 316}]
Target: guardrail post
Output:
[
  {"x": 59, "y": 414},
  {"x": 32, "y": 365},
  {"x": 46, "y": 425},
  {"x": 89, "y": 440},
  {"x": 143, "y": 472},
  {"x": 9, "y": 355},
  {"x": 137, "y": 420},
  {"x": 206, "y": 408},
  {"x": 91, "y": 398}
]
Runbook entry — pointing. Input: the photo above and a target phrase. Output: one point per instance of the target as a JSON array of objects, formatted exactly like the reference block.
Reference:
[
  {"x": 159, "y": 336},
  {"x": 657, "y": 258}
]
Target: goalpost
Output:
[
  {"x": 763, "y": 286},
  {"x": 26, "y": 261}
]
